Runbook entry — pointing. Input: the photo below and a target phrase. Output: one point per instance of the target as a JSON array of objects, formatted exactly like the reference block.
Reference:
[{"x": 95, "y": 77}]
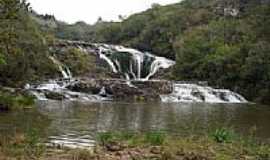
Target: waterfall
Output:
[
  {"x": 184, "y": 92},
  {"x": 66, "y": 73},
  {"x": 108, "y": 60},
  {"x": 158, "y": 63},
  {"x": 137, "y": 63},
  {"x": 58, "y": 88},
  {"x": 103, "y": 91},
  {"x": 133, "y": 65},
  {"x": 137, "y": 56}
]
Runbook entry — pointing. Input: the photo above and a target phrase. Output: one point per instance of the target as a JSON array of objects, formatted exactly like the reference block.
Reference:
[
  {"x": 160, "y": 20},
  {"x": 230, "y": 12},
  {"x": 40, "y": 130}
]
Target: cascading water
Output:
[
  {"x": 57, "y": 88},
  {"x": 134, "y": 66},
  {"x": 66, "y": 73},
  {"x": 135, "y": 63},
  {"x": 184, "y": 92}
]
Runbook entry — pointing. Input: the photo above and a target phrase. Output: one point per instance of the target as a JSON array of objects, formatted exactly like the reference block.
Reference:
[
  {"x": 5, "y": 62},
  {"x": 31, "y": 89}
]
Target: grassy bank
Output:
[
  {"x": 10, "y": 99},
  {"x": 219, "y": 145}
]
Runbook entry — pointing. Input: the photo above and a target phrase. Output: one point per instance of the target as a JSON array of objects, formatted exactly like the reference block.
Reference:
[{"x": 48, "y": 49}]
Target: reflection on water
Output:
[{"x": 76, "y": 124}]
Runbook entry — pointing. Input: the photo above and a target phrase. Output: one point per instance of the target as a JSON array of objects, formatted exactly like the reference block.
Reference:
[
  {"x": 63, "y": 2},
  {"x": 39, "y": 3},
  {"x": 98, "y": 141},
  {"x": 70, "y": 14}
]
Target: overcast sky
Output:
[{"x": 89, "y": 10}]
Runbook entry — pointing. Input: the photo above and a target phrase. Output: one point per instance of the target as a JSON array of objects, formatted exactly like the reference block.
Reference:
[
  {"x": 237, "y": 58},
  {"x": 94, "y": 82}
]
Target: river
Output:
[{"x": 77, "y": 123}]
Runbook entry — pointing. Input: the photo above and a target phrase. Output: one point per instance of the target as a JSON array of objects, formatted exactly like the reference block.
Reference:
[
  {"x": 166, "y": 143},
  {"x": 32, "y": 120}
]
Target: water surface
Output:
[{"x": 78, "y": 123}]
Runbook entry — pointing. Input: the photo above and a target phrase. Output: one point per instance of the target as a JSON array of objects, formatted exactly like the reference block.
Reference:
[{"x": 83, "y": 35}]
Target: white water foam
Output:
[
  {"x": 66, "y": 73},
  {"x": 59, "y": 88},
  {"x": 72, "y": 141},
  {"x": 136, "y": 62},
  {"x": 198, "y": 93}
]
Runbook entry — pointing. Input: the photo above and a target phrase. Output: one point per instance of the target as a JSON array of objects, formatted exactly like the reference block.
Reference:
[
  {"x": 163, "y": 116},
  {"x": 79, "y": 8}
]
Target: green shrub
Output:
[
  {"x": 11, "y": 101},
  {"x": 105, "y": 137},
  {"x": 222, "y": 135},
  {"x": 155, "y": 138},
  {"x": 6, "y": 100},
  {"x": 77, "y": 61},
  {"x": 108, "y": 137},
  {"x": 24, "y": 100}
]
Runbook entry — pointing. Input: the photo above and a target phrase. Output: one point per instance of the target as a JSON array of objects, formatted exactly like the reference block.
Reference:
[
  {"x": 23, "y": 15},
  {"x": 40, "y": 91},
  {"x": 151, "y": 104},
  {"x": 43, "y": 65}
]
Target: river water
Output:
[{"x": 77, "y": 123}]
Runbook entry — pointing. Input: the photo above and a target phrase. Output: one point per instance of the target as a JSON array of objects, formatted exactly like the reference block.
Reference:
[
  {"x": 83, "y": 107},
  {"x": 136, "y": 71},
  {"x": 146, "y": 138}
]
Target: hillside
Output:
[{"x": 223, "y": 42}]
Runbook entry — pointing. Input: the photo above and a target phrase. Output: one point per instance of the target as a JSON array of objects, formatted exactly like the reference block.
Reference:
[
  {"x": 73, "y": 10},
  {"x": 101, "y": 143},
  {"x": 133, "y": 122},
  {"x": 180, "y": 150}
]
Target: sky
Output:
[{"x": 89, "y": 11}]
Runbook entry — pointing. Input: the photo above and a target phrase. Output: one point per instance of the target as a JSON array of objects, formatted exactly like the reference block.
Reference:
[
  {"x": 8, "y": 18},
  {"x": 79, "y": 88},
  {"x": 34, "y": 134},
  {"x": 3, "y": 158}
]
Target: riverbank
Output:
[
  {"x": 11, "y": 98},
  {"x": 221, "y": 144}
]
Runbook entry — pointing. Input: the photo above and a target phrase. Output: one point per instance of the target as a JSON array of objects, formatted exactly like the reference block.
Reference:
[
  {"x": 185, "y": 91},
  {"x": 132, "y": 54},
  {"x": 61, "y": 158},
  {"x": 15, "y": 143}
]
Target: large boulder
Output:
[
  {"x": 123, "y": 90},
  {"x": 54, "y": 95},
  {"x": 157, "y": 86}
]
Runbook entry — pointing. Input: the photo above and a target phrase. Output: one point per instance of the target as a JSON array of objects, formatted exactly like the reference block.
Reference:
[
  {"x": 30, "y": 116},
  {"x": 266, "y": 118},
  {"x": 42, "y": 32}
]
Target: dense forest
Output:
[{"x": 224, "y": 42}]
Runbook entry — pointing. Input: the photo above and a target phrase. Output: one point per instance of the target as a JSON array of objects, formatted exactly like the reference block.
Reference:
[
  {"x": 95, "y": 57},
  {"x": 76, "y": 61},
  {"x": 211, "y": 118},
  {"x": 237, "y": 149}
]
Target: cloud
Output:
[{"x": 89, "y": 10}]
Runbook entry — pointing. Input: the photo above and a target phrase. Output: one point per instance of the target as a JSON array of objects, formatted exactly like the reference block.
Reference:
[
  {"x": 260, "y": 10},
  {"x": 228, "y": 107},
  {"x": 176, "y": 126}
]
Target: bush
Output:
[
  {"x": 11, "y": 101},
  {"x": 223, "y": 135},
  {"x": 105, "y": 138},
  {"x": 77, "y": 61},
  {"x": 155, "y": 138}
]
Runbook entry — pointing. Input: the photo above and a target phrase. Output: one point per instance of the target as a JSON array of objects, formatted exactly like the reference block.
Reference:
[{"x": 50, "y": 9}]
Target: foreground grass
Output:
[{"x": 219, "y": 145}]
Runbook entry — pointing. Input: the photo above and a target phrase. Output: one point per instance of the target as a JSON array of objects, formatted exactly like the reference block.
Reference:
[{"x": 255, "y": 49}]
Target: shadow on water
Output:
[{"x": 73, "y": 123}]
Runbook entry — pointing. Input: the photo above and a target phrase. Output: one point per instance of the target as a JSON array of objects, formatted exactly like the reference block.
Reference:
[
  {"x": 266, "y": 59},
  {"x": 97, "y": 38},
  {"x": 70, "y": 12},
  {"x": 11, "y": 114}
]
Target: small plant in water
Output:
[
  {"x": 105, "y": 137},
  {"x": 222, "y": 135},
  {"x": 155, "y": 138}
]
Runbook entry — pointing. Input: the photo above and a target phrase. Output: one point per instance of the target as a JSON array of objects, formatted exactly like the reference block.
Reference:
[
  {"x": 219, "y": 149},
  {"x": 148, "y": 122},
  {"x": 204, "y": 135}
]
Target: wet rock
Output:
[
  {"x": 123, "y": 90},
  {"x": 156, "y": 150},
  {"x": 114, "y": 146},
  {"x": 198, "y": 94},
  {"x": 54, "y": 95},
  {"x": 155, "y": 86},
  {"x": 87, "y": 86}
]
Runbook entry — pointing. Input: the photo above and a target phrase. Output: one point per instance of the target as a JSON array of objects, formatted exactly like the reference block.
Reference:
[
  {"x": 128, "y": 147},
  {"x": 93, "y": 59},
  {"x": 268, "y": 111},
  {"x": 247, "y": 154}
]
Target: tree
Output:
[
  {"x": 11, "y": 12},
  {"x": 22, "y": 45}
]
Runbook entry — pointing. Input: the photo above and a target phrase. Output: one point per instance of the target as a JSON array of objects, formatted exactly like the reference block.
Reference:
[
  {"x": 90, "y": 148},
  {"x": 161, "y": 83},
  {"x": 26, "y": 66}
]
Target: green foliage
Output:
[
  {"x": 228, "y": 53},
  {"x": 223, "y": 135},
  {"x": 223, "y": 142},
  {"x": 155, "y": 138},
  {"x": 27, "y": 146},
  {"x": 104, "y": 138},
  {"x": 13, "y": 101},
  {"x": 78, "y": 62},
  {"x": 208, "y": 45},
  {"x": 23, "y": 47},
  {"x": 2, "y": 61},
  {"x": 6, "y": 100},
  {"x": 107, "y": 137},
  {"x": 77, "y": 31}
]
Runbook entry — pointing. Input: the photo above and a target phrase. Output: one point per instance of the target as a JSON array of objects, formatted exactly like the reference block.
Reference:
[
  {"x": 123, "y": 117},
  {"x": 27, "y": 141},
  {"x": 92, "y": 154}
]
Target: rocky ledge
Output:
[{"x": 120, "y": 89}]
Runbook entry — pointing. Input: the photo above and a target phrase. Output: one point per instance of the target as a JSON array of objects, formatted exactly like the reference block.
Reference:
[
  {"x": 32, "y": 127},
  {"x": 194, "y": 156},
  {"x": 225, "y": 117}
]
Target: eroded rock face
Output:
[{"x": 123, "y": 90}]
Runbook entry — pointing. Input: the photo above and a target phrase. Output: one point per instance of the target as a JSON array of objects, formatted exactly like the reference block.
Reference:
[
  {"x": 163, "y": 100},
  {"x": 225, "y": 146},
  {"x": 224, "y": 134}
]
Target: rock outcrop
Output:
[{"x": 120, "y": 89}]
